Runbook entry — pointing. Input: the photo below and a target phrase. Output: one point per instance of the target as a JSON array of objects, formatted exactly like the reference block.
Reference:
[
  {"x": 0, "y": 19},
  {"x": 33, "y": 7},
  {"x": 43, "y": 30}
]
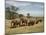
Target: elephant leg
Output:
[
  {"x": 14, "y": 24},
  {"x": 11, "y": 24},
  {"x": 29, "y": 24},
  {"x": 32, "y": 23}
]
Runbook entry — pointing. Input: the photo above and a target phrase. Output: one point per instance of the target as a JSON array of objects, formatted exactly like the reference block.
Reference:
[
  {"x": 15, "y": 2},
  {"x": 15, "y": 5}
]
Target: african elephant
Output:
[
  {"x": 16, "y": 22},
  {"x": 40, "y": 20},
  {"x": 24, "y": 21}
]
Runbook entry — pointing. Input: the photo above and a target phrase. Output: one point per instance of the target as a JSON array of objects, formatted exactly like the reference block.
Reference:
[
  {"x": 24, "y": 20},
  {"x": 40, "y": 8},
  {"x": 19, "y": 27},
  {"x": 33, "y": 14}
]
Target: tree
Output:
[
  {"x": 21, "y": 15},
  {"x": 28, "y": 15},
  {"x": 13, "y": 11},
  {"x": 10, "y": 11},
  {"x": 14, "y": 8},
  {"x": 7, "y": 13}
]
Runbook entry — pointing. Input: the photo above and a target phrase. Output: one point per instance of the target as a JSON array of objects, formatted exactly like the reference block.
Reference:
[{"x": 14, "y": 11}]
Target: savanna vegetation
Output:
[{"x": 18, "y": 23}]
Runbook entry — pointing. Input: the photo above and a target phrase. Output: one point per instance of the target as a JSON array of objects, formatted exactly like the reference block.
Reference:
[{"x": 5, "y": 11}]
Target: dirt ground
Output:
[{"x": 26, "y": 29}]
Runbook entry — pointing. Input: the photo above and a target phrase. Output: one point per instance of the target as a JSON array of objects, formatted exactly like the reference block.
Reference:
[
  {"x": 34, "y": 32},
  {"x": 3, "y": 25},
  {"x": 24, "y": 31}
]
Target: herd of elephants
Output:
[{"x": 19, "y": 22}]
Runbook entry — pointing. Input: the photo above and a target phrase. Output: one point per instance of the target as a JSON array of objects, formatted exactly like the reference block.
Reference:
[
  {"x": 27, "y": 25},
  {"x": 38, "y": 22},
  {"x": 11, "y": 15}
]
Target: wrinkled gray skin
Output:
[
  {"x": 15, "y": 22},
  {"x": 40, "y": 20},
  {"x": 30, "y": 22},
  {"x": 24, "y": 22},
  {"x": 21, "y": 22}
]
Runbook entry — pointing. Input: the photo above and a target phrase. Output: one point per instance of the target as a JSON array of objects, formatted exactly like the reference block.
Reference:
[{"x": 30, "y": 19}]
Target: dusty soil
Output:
[{"x": 26, "y": 29}]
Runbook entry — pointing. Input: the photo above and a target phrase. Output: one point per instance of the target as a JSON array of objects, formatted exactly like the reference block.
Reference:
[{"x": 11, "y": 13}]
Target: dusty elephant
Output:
[
  {"x": 24, "y": 21},
  {"x": 30, "y": 23},
  {"x": 40, "y": 20},
  {"x": 16, "y": 22}
]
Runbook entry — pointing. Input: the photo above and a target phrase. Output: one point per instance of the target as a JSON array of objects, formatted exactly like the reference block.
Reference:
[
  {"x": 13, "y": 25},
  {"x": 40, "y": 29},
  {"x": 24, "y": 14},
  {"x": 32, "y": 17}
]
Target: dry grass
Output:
[{"x": 26, "y": 29}]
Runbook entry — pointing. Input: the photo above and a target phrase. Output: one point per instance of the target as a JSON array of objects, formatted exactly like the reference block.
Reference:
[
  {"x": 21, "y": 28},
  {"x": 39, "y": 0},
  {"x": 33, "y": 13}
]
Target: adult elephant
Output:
[
  {"x": 15, "y": 22},
  {"x": 24, "y": 21},
  {"x": 31, "y": 22},
  {"x": 39, "y": 20}
]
